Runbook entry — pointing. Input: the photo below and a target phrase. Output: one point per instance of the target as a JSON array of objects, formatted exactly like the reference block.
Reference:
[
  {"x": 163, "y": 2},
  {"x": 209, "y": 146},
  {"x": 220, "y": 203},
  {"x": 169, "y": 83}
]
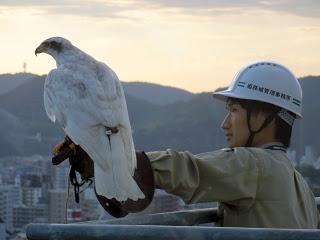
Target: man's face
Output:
[{"x": 235, "y": 125}]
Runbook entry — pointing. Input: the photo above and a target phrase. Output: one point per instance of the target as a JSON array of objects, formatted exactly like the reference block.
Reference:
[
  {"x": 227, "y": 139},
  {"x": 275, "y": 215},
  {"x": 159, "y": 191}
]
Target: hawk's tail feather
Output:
[
  {"x": 129, "y": 149},
  {"x": 116, "y": 181}
]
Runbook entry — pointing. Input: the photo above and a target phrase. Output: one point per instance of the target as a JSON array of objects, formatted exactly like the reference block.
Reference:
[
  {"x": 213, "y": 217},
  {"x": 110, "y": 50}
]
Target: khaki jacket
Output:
[{"x": 255, "y": 187}]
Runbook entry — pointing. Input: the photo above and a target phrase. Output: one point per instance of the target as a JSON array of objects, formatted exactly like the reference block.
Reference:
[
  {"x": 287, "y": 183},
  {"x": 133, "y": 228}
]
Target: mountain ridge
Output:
[
  {"x": 151, "y": 92},
  {"x": 192, "y": 124}
]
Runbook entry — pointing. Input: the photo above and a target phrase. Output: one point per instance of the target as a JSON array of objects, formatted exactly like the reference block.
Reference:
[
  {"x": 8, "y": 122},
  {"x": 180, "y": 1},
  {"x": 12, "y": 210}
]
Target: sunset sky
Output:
[{"x": 197, "y": 45}]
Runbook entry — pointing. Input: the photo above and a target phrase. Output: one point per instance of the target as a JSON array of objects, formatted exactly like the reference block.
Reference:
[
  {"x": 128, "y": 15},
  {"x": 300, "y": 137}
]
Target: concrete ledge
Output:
[
  {"x": 151, "y": 232},
  {"x": 167, "y": 226}
]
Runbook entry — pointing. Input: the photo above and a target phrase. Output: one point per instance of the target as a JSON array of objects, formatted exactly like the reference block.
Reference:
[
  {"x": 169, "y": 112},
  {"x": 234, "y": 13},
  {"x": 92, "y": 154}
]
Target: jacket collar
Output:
[{"x": 270, "y": 144}]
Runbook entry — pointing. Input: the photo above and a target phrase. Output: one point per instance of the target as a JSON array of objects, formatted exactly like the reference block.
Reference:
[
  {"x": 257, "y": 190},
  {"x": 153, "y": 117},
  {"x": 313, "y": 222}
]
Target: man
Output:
[{"x": 253, "y": 180}]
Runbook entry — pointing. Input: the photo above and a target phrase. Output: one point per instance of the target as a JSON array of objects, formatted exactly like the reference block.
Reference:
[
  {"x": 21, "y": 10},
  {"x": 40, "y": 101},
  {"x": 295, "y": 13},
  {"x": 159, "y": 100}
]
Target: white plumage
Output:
[{"x": 85, "y": 97}]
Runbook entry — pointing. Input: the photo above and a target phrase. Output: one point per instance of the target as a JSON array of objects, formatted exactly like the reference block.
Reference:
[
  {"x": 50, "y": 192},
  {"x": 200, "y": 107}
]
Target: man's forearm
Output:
[{"x": 175, "y": 172}]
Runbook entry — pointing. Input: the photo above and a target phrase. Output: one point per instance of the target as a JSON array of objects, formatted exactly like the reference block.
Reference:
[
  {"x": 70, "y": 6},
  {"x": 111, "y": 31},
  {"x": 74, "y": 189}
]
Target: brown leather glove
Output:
[
  {"x": 78, "y": 158},
  {"x": 82, "y": 163}
]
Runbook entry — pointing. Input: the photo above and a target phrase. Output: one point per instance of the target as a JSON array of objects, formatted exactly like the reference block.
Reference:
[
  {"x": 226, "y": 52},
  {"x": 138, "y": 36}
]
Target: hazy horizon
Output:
[{"x": 193, "y": 45}]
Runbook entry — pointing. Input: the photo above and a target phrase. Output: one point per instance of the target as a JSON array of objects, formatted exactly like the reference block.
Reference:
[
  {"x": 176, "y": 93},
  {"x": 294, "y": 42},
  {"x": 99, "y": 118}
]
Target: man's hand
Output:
[
  {"x": 82, "y": 163},
  {"x": 78, "y": 158}
]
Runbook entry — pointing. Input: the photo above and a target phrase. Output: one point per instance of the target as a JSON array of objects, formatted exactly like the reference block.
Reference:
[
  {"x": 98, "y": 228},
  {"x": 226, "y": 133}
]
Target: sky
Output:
[{"x": 196, "y": 45}]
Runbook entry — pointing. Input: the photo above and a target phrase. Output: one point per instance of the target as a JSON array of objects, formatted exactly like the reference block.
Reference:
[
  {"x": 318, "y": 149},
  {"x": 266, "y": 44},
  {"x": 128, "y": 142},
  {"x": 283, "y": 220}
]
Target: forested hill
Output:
[{"x": 162, "y": 117}]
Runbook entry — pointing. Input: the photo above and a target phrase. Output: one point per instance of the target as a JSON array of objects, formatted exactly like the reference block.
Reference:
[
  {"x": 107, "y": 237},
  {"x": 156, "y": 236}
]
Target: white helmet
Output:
[{"x": 266, "y": 82}]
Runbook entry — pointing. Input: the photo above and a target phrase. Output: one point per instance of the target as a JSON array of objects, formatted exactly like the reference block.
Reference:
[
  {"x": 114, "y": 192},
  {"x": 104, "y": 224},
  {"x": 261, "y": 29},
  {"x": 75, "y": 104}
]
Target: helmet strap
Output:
[{"x": 266, "y": 122}]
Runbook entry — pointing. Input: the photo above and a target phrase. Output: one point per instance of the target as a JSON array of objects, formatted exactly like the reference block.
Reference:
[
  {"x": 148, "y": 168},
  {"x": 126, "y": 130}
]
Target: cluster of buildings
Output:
[
  {"x": 309, "y": 158},
  {"x": 34, "y": 191},
  {"x": 28, "y": 191}
]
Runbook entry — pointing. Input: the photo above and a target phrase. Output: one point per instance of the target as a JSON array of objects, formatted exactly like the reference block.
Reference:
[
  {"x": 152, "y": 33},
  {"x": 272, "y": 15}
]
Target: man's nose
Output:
[{"x": 226, "y": 122}]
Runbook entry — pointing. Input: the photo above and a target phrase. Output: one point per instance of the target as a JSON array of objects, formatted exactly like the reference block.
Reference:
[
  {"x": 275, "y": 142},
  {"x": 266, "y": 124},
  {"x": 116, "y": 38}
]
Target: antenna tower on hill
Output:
[{"x": 24, "y": 67}]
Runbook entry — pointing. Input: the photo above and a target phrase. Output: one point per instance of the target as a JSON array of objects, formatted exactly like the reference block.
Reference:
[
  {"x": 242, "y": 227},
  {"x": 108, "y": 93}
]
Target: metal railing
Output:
[{"x": 167, "y": 226}]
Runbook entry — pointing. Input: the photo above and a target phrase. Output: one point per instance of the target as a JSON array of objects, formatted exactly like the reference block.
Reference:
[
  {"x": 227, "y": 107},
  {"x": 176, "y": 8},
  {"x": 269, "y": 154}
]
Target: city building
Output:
[
  {"x": 57, "y": 208},
  {"x": 10, "y": 196},
  {"x": 3, "y": 234},
  {"x": 23, "y": 215}
]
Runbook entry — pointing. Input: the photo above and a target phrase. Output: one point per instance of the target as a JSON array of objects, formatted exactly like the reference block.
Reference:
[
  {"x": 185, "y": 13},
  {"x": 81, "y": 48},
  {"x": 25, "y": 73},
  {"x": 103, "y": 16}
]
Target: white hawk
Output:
[{"x": 86, "y": 98}]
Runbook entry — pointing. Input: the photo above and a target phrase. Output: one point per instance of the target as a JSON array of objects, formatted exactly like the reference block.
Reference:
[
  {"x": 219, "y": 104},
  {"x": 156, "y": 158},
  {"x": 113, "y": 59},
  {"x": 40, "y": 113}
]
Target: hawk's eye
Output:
[
  {"x": 53, "y": 44},
  {"x": 56, "y": 46}
]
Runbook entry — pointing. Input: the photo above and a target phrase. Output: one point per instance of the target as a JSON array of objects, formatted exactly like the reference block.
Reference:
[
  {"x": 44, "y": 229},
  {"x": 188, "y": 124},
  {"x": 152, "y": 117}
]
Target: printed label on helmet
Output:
[{"x": 268, "y": 91}]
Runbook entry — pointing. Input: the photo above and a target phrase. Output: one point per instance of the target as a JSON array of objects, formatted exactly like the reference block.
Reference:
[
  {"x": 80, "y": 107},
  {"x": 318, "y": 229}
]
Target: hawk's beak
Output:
[{"x": 40, "y": 49}]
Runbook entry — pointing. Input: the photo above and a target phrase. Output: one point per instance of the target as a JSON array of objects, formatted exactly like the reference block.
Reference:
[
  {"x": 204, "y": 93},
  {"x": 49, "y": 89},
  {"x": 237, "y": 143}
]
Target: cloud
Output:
[
  {"x": 121, "y": 8},
  {"x": 306, "y": 8},
  {"x": 106, "y": 9}
]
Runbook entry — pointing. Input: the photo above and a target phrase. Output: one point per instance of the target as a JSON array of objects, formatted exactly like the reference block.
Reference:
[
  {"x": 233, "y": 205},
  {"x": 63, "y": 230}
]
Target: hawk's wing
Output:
[
  {"x": 50, "y": 99},
  {"x": 85, "y": 100}
]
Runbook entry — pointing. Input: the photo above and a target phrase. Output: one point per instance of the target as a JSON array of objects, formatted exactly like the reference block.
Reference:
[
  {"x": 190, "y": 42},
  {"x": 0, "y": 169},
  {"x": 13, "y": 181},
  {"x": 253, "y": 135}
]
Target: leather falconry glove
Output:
[{"x": 81, "y": 162}]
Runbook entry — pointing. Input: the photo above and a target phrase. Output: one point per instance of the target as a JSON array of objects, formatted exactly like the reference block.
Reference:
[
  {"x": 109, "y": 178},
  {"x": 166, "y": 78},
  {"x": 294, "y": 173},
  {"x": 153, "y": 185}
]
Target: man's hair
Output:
[{"x": 282, "y": 130}]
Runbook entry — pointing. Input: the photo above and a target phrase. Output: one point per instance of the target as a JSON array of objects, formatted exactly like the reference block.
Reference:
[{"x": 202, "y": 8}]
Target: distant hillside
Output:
[
  {"x": 153, "y": 93},
  {"x": 11, "y": 81},
  {"x": 192, "y": 124},
  {"x": 307, "y": 129},
  {"x": 156, "y": 94},
  {"x": 12, "y": 134},
  {"x": 25, "y": 102}
]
